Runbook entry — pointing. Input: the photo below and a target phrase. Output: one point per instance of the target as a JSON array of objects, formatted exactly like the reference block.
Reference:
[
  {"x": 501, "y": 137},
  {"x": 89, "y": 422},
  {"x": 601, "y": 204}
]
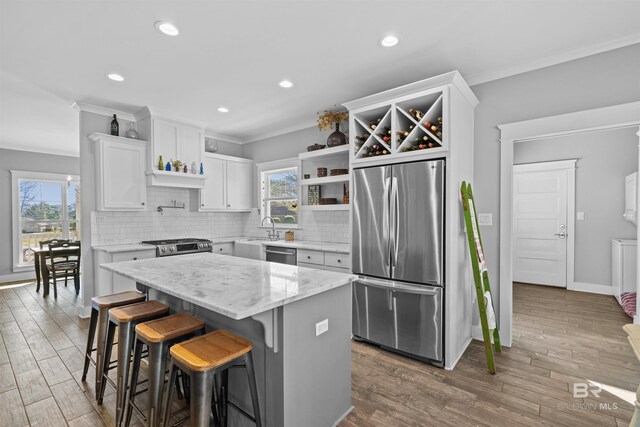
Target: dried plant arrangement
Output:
[{"x": 327, "y": 119}]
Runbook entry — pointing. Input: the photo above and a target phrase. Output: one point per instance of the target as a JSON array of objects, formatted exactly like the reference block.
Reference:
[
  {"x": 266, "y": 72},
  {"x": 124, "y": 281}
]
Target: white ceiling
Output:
[{"x": 233, "y": 53}]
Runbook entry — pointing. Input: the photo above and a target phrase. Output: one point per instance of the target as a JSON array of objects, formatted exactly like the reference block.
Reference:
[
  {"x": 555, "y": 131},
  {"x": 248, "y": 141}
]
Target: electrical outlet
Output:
[
  {"x": 485, "y": 219},
  {"x": 322, "y": 327},
  {"x": 580, "y": 216}
]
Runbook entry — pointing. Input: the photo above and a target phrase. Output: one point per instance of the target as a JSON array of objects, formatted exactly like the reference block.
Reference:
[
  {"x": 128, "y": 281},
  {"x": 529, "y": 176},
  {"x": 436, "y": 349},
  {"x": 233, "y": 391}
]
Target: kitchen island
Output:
[{"x": 303, "y": 374}]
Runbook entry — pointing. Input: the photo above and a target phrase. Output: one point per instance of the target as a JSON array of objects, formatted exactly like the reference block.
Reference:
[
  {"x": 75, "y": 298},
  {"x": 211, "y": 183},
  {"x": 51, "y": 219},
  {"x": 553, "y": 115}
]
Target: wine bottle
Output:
[
  {"x": 416, "y": 114},
  {"x": 440, "y": 120},
  {"x": 361, "y": 138},
  {"x": 115, "y": 127},
  {"x": 372, "y": 125}
]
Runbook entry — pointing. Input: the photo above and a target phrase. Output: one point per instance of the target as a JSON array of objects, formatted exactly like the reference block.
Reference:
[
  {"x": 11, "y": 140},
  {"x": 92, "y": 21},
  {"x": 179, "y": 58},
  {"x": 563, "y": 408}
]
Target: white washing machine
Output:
[{"x": 623, "y": 266}]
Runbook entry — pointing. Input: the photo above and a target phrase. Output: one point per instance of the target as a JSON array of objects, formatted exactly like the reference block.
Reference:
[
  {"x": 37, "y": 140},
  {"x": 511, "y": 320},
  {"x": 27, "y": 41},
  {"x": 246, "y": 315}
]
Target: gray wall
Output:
[
  {"x": 24, "y": 161},
  {"x": 604, "y": 159},
  {"x": 601, "y": 80}
]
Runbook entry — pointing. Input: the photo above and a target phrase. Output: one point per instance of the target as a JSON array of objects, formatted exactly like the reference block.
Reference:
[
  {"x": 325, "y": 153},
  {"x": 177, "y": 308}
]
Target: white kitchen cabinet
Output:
[
  {"x": 120, "y": 178},
  {"x": 330, "y": 261},
  {"x": 107, "y": 282},
  {"x": 172, "y": 141},
  {"x": 222, "y": 248},
  {"x": 228, "y": 184}
]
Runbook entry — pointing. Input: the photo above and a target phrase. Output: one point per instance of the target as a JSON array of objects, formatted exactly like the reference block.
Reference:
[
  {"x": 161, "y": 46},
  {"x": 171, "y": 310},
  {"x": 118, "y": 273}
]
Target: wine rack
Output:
[
  {"x": 401, "y": 128},
  {"x": 374, "y": 133}
]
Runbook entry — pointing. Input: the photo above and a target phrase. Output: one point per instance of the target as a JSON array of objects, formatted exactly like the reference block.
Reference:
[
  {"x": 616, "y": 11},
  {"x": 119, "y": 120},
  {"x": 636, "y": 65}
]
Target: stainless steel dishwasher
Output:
[{"x": 281, "y": 255}]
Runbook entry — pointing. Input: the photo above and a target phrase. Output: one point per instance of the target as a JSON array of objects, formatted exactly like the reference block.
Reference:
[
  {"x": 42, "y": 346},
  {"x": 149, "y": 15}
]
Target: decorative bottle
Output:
[
  {"x": 168, "y": 166},
  {"x": 201, "y": 169},
  {"x": 194, "y": 168},
  {"x": 160, "y": 164},
  {"x": 115, "y": 127}
]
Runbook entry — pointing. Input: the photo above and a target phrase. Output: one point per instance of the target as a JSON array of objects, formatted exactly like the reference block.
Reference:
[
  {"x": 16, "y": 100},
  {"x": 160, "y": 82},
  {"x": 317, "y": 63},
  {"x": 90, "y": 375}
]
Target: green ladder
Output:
[{"x": 480, "y": 274}]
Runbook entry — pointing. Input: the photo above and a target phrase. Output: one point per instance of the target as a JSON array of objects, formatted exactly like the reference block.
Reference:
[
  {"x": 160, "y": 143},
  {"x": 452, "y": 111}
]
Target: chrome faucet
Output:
[{"x": 272, "y": 234}]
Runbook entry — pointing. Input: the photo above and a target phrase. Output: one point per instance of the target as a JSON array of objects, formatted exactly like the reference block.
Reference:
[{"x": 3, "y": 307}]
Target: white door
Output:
[
  {"x": 238, "y": 185},
  {"x": 540, "y": 224},
  {"x": 212, "y": 196}
]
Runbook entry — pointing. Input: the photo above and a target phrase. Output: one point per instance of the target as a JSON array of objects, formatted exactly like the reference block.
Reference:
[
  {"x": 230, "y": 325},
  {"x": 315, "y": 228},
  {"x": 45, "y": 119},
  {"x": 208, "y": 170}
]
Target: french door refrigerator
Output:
[{"x": 397, "y": 250}]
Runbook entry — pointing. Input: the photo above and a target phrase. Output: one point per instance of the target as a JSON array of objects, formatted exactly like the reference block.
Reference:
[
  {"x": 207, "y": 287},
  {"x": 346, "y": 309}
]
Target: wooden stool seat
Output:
[
  {"x": 211, "y": 350},
  {"x": 121, "y": 298},
  {"x": 168, "y": 328},
  {"x": 141, "y": 310}
]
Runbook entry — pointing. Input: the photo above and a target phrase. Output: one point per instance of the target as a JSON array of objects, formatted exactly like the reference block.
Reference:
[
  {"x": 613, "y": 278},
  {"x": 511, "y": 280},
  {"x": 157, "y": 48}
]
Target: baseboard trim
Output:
[
  {"x": 14, "y": 277},
  {"x": 593, "y": 288},
  {"x": 84, "y": 312},
  {"x": 342, "y": 417},
  {"x": 451, "y": 366}
]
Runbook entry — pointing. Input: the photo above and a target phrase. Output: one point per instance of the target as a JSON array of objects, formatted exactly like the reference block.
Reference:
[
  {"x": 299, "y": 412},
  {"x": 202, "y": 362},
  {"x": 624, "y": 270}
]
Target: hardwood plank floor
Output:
[{"x": 560, "y": 338}]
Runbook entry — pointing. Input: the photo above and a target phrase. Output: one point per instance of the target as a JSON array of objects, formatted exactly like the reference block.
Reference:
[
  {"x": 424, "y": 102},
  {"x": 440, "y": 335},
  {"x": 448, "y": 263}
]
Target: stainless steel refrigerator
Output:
[{"x": 398, "y": 252}]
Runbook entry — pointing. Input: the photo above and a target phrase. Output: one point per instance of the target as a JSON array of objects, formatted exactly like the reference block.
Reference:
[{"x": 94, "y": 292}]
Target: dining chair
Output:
[
  {"x": 63, "y": 260},
  {"x": 44, "y": 243}
]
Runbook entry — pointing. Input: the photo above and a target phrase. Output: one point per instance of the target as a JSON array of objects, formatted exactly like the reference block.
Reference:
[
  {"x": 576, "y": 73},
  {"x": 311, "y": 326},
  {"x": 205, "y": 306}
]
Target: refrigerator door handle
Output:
[
  {"x": 394, "y": 213},
  {"x": 385, "y": 215}
]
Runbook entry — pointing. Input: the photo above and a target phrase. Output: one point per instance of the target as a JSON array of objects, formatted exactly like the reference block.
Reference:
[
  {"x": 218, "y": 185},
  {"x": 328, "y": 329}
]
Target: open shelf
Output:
[
  {"x": 336, "y": 207},
  {"x": 324, "y": 153},
  {"x": 325, "y": 180}
]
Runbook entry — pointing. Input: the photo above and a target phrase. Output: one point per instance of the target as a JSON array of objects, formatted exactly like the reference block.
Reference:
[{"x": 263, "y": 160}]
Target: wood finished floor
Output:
[{"x": 560, "y": 338}]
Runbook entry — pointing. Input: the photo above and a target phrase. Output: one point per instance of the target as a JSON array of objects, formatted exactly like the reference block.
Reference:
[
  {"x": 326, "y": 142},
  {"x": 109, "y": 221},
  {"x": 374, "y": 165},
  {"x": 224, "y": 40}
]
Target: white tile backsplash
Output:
[{"x": 133, "y": 227}]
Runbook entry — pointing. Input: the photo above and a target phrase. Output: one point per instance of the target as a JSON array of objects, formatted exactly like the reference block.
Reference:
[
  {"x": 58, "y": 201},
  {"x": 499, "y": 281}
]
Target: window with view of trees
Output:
[
  {"x": 46, "y": 209},
  {"x": 280, "y": 196}
]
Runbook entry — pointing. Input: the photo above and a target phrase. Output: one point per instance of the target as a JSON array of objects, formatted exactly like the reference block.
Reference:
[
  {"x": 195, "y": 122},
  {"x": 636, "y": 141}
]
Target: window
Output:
[
  {"x": 44, "y": 208},
  {"x": 280, "y": 196}
]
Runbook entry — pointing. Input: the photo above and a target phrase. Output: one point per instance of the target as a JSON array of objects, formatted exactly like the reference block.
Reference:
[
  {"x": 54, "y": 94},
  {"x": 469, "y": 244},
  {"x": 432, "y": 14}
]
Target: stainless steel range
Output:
[{"x": 169, "y": 247}]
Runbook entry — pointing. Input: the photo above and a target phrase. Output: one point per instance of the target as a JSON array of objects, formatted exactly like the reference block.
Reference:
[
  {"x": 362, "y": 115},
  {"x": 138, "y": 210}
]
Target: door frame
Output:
[
  {"x": 570, "y": 167},
  {"x": 612, "y": 117}
]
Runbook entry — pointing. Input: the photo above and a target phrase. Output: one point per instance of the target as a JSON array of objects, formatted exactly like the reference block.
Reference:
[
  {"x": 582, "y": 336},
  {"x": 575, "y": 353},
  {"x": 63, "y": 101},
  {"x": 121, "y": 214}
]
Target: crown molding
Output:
[
  {"x": 96, "y": 109},
  {"x": 221, "y": 137},
  {"x": 290, "y": 129},
  {"x": 492, "y": 75},
  {"x": 41, "y": 150}
]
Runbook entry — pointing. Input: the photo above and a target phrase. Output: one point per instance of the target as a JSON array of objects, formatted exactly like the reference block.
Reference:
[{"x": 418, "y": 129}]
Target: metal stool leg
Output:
[
  {"x": 125, "y": 336},
  {"x": 201, "y": 393},
  {"x": 102, "y": 326},
  {"x": 157, "y": 366},
  {"x": 168, "y": 400},
  {"x": 90, "y": 337},
  {"x": 111, "y": 331},
  {"x": 253, "y": 389},
  {"x": 135, "y": 371}
]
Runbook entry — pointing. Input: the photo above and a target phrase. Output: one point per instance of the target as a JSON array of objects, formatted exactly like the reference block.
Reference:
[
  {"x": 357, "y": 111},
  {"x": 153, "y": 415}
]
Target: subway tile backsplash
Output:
[{"x": 109, "y": 228}]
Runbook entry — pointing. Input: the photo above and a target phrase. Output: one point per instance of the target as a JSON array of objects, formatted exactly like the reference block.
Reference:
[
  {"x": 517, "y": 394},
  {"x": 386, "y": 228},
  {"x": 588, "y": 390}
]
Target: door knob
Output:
[{"x": 562, "y": 234}]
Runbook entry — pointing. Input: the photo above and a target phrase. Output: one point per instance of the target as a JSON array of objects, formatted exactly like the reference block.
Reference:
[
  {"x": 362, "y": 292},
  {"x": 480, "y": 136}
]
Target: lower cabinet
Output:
[
  {"x": 329, "y": 261},
  {"x": 107, "y": 282},
  {"x": 222, "y": 248}
]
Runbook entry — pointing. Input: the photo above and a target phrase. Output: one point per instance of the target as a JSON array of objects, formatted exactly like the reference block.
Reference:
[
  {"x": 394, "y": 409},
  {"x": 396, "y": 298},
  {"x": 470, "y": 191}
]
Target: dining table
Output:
[{"x": 40, "y": 264}]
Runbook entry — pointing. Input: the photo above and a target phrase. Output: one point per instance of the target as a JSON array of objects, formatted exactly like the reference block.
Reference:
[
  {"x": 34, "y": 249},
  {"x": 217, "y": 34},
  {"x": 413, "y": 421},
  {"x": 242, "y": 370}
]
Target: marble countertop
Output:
[
  {"x": 127, "y": 247},
  {"x": 232, "y": 286}
]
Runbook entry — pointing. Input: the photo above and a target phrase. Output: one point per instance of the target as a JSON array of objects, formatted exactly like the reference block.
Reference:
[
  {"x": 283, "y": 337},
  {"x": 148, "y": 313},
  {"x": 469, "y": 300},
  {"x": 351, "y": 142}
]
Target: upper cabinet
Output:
[
  {"x": 228, "y": 184},
  {"x": 173, "y": 141},
  {"x": 120, "y": 177},
  {"x": 429, "y": 118}
]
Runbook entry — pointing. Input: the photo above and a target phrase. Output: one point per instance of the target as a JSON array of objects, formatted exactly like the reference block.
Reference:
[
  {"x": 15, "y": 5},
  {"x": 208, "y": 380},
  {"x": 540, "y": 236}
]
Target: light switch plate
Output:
[
  {"x": 580, "y": 216},
  {"x": 322, "y": 327},
  {"x": 485, "y": 219}
]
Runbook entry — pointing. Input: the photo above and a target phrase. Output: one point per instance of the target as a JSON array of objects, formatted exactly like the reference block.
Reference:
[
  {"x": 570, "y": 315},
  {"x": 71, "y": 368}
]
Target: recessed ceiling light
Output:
[
  {"x": 167, "y": 28},
  {"x": 115, "y": 77},
  {"x": 286, "y": 84},
  {"x": 389, "y": 41},
  {"x": 223, "y": 109}
]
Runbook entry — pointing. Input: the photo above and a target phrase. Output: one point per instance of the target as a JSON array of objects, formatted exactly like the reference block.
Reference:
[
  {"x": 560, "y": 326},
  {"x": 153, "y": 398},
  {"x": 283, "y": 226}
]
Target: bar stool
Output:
[
  {"x": 202, "y": 358},
  {"x": 126, "y": 318},
  {"x": 100, "y": 320},
  {"x": 158, "y": 335}
]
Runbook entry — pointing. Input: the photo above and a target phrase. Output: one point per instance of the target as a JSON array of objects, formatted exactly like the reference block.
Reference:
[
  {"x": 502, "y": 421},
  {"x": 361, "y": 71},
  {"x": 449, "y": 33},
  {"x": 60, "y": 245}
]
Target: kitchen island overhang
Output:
[{"x": 304, "y": 378}]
